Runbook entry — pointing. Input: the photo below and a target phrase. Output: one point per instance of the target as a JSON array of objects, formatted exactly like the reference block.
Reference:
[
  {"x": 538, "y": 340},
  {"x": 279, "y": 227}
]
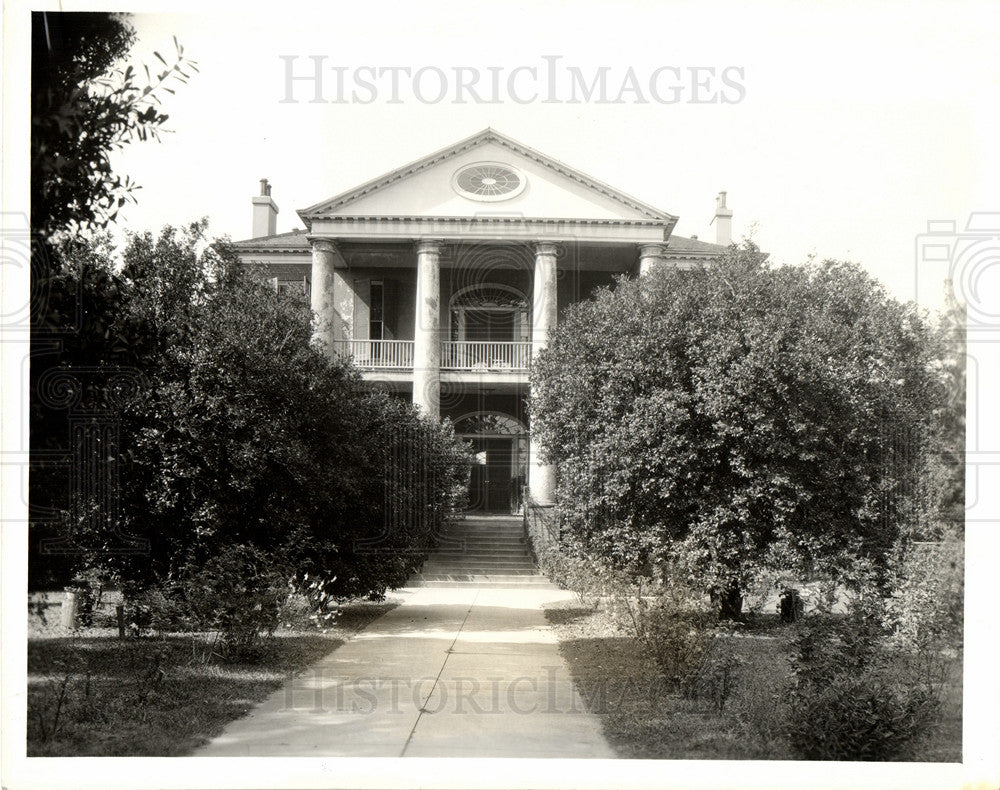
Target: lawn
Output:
[
  {"x": 92, "y": 694},
  {"x": 643, "y": 718}
]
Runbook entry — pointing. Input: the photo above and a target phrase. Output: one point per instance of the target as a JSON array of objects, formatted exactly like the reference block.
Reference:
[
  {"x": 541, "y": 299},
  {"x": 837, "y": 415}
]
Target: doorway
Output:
[
  {"x": 499, "y": 444},
  {"x": 491, "y": 485}
]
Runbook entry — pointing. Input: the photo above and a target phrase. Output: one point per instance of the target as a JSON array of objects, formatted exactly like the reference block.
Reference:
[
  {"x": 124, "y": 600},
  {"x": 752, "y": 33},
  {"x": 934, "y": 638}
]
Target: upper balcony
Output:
[{"x": 456, "y": 355}]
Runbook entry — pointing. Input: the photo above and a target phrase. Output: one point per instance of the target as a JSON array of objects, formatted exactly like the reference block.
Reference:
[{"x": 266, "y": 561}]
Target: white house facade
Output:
[{"x": 442, "y": 279}]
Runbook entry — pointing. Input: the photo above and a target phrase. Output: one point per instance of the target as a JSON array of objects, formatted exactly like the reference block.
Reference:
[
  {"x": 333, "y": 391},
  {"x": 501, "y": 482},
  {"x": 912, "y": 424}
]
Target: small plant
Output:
[
  {"x": 718, "y": 676},
  {"x": 311, "y": 603},
  {"x": 676, "y": 627},
  {"x": 64, "y": 692}
]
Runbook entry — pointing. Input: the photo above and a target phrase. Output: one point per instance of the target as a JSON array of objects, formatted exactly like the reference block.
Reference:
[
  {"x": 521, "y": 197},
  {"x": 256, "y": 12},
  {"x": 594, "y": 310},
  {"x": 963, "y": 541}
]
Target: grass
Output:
[
  {"x": 644, "y": 718},
  {"x": 91, "y": 694}
]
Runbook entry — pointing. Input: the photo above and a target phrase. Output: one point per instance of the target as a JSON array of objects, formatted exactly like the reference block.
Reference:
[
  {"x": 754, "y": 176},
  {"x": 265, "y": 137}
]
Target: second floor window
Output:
[{"x": 377, "y": 315}]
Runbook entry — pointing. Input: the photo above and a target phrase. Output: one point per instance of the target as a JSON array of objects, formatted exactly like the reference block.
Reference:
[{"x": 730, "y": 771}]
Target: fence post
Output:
[{"x": 69, "y": 610}]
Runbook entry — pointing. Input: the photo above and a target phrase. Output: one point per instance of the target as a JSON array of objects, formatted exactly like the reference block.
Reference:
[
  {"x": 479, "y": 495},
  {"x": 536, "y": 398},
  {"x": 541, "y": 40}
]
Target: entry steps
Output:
[{"x": 481, "y": 551}]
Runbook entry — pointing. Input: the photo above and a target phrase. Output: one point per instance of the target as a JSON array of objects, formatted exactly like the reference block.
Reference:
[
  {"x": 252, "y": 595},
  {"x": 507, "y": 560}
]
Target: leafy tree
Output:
[
  {"x": 84, "y": 106},
  {"x": 734, "y": 412},
  {"x": 242, "y": 434}
]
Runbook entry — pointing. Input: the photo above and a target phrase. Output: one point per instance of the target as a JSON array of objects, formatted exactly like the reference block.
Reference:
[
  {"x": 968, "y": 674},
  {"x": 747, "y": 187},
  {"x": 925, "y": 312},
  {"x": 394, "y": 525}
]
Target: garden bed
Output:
[
  {"x": 93, "y": 694},
  {"x": 644, "y": 718}
]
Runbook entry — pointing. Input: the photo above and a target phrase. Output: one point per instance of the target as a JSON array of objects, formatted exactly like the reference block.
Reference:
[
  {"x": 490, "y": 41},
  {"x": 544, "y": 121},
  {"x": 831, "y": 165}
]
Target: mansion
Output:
[{"x": 443, "y": 278}]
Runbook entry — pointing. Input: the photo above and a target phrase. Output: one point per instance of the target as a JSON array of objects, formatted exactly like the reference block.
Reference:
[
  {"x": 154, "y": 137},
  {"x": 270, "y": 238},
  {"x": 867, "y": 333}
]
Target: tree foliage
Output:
[
  {"x": 734, "y": 412},
  {"x": 248, "y": 435},
  {"x": 234, "y": 431},
  {"x": 85, "y": 106}
]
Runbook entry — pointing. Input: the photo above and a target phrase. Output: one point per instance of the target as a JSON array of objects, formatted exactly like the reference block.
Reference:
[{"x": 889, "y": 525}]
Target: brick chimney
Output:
[
  {"x": 723, "y": 220},
  {"x": 265, "y": 212}
]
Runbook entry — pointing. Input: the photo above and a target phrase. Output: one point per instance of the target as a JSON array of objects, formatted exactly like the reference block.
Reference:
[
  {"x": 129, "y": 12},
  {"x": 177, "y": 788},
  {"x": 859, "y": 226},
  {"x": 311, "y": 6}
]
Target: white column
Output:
[
  {"x": 541, "y": 477},
  {"x": 426, "y": 332},
  {"x": 331, "y": 297},
  {"x": 650, "y": 257}
]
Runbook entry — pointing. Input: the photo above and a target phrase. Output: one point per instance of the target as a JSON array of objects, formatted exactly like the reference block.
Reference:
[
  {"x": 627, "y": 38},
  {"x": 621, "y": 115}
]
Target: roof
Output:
[
  {"x": 682, "y": 244},
  {"x": 487, "y": 135},
  {"x": 291, "y": 241}
]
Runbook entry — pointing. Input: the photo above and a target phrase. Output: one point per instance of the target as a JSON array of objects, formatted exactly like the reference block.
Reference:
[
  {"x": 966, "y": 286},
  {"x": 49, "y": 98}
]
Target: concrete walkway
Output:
[{"x": 451, "y": 672}]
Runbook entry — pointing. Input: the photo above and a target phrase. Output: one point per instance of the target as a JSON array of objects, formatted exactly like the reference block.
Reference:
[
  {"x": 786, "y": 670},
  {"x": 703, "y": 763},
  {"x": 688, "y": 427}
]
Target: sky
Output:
[{"x": 837, "y": 130}]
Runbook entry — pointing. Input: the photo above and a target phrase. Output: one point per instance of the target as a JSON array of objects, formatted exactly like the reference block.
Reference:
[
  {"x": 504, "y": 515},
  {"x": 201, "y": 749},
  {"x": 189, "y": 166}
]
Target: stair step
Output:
[
  {"x": 483, "y": 545},
  {"x": 478, "y": 552},
  {"x": 485, "y": 534},
  {"x": 482, "y": 551},
  {"x": 515, "y": 570},
  {"x": 502, "y": 581}
]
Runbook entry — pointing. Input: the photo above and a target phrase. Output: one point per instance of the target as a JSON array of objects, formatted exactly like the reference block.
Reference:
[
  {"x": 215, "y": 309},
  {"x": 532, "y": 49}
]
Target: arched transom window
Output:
[{"x": 489, "y": 423}]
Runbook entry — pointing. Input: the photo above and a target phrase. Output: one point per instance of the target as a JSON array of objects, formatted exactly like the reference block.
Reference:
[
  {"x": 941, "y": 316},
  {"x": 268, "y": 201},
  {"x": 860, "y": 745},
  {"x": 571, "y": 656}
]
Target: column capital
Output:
[
  {"x": 322, "y": 244},
  {"x": 652, "y": 250},
  {"x": 546, "y": 248},
  {"x": 428, "y": 246}
]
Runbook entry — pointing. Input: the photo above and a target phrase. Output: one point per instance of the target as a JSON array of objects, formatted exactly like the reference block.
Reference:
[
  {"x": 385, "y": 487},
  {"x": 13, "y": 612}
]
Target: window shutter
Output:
[{"x": 362, "y": 308}]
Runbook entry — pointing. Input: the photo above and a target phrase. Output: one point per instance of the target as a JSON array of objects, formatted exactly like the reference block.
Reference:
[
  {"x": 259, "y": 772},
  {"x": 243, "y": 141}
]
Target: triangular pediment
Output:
[{"x": 487, "y": 174}]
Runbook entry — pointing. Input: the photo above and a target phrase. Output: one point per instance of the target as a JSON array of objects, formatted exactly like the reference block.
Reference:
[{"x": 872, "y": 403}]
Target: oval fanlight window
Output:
[{"x": 488, "y": 181}]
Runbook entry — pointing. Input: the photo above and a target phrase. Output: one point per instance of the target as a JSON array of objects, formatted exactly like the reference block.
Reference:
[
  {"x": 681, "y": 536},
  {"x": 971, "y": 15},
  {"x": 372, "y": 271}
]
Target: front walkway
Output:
[{"x": 451, "y": 672}]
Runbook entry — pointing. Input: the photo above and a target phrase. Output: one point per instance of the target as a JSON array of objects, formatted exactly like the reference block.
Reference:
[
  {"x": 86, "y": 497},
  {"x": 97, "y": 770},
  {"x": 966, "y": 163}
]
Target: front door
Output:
[{"x": 490, "y": 487}]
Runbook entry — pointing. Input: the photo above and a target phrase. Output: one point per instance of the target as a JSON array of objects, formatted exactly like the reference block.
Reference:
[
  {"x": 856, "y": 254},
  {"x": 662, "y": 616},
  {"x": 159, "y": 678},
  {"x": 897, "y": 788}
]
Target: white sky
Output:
[{"x": 858, "y": 126}]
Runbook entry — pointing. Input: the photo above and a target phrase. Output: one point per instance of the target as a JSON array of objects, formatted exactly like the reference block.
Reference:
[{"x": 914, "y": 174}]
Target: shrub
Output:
[
  {"x": 718, "y": 676},
  {"x": 850, "y": 699},
  {"x": 240, "y": 592},
  {"x": 571, "y": 569},
  {"x": 310, "y": 603},
  {"x": 151, "y": 610},
  {"x": 827, "y": 645},
  {"x": 676, "y": 626},
  {"x": 925, "y": 610},
  {"x": 856, "y": 717}
]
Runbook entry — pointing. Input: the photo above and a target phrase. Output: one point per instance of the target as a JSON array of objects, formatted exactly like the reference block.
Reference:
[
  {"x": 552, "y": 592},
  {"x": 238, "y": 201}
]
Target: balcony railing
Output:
[
  {"x": 377, "y": 353},
  {"x": 484, "y": 355},
  {"x": 474, "y": 355}
]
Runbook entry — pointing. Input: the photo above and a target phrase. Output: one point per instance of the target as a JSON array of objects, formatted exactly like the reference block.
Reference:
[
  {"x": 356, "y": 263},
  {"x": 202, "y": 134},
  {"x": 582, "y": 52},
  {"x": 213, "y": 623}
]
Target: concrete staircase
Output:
[{"x": 482, "y": 551}]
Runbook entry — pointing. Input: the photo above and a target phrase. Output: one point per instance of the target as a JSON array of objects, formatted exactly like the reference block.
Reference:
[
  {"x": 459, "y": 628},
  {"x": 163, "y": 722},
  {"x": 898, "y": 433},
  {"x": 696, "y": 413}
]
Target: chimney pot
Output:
[
  {"x": 265, "y": 212},
  {"x": 723, "y": 220}
]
